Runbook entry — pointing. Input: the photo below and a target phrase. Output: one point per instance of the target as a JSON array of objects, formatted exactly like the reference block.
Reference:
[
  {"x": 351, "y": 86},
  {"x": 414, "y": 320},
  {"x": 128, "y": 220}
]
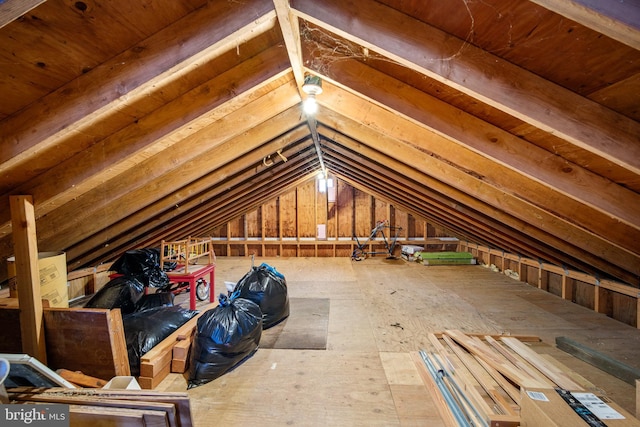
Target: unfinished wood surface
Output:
[
  {"x": 446, "y": 415},
  {"x": 90, "y": 340},
  {"x": 11, "y": 338},
  {"x": 481, "y": 350},
  {"x": 554, "y": 374},
  {"x": 357, "y": 377},
  {"x": 488, "y": 377},
  {"x": 80, "y": 379},
  {"x": 28, "y": 276},
  {"x": 115, "y": 407}
]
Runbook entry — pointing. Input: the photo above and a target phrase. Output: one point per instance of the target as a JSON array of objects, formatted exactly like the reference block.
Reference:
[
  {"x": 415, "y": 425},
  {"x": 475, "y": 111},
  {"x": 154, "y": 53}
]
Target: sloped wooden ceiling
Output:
[{"x": 511, "y": 123}]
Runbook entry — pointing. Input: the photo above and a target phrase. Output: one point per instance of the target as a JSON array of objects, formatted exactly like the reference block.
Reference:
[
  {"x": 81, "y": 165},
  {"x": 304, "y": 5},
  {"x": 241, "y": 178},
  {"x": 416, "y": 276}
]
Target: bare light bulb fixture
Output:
[{"x": 312, "y": 86}]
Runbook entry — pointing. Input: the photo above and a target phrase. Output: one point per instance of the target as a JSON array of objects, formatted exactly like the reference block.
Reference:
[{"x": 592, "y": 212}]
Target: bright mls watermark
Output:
[{"x": 49, "y": 415}]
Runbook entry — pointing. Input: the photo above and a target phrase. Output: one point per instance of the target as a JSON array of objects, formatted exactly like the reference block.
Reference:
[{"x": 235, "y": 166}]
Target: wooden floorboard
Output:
[{"x": 379, "y": 311}]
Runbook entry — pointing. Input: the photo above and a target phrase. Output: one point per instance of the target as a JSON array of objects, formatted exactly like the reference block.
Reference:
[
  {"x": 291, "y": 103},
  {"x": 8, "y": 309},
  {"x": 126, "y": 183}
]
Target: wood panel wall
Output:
[
  {"x": 308, "y": 222},
  {"x": 611, "y": 298}
]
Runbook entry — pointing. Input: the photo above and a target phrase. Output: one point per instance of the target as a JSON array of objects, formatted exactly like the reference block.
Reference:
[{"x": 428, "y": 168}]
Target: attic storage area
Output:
[{"x": 505, "y": 130}]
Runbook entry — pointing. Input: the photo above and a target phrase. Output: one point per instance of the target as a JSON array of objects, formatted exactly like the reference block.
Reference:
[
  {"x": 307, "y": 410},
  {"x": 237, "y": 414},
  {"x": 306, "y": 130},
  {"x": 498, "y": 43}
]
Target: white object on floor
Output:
[{"x": 122, "y": 383}]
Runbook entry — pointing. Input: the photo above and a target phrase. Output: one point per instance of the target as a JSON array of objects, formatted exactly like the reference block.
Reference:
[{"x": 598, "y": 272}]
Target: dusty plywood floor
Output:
[{"x": 380, "y": 310}]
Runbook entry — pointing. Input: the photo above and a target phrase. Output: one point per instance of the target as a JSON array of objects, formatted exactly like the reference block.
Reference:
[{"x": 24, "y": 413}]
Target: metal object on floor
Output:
[{"x": 377, "y": 236}]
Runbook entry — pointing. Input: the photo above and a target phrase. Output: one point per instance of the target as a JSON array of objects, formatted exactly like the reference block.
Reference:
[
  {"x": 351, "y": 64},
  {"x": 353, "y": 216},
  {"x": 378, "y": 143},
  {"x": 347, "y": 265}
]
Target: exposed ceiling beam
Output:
[
  {"x": 259, "y": 96},
  {"x": 479, "y": 74},
  {"x": 197, "y": 201},
  {"x": 11, "y": 10},
  {"x": 96, "y": 96},
  {"x": 491, "y": 142},
  {"x": 290, "y": 27},
  {"x": 617, "y": 19}
]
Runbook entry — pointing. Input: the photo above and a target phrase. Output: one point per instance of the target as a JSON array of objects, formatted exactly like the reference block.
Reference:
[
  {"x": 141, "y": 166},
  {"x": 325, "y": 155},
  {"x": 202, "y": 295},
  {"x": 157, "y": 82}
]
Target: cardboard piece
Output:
[
  {"x": 53, "y": 278},
  {"x": 546, "y": 408}
]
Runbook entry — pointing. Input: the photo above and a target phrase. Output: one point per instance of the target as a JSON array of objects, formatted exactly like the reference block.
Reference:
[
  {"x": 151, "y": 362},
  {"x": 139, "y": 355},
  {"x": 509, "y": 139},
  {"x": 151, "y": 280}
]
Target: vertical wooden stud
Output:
[{"x": 28, "y": 276}]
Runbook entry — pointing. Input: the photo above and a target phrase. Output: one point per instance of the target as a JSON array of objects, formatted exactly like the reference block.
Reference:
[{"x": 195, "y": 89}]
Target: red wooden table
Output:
[{"x": 195, "y": 272}]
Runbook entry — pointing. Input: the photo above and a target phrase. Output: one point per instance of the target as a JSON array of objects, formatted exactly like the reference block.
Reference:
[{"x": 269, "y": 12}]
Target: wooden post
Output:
[{"x": 28, "y": 276}]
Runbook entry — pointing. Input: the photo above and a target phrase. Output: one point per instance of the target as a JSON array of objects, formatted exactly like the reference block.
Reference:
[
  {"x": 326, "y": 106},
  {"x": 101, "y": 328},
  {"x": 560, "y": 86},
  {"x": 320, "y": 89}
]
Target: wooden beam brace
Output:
[
  {"x": 167, "y": 56},
  {"x": 165, "y": 128},
  {"x": 483, "y": 76},
  {"x": 454, "y": 129},
  {"x": 10, "y": 10},
  {"x": 290, "y": 28},
  {"x": 619, "y": 20},
  {"x": 28, "y": 277},
  {"x": 172, "y": 216},
  {"x": 350, "y": 107}
]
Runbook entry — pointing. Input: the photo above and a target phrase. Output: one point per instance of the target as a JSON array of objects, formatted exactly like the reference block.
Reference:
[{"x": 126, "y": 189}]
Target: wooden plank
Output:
[
  {"x": 290, "y": 28},
  {"x": 28, "y": 276},
  {"x": 150, "y": 399},
  {"x": 552, "y": 372},
  {"x": 151, "y": 368},
  {"x": 519, "y": 363},
  {"x": 152, "y": 382},
  {"x": 95, "y": 416},
  {"x": 181, "y": 348},
  {"x": 471, "y": 403},
  {"x": 490, "y": 379},
  {"x": 464, "y": 375},
  {"x": 606, "y": 363},
  {"x": 492, "y": 359},
  {"x": 80, "y": 379},
  {"x": 120, "y": 417},
  {"x": 165, "y": 413},
  {"x": 179, "y": 366},
  {"x": 441, "y": 404},
  {"x": 584, "y": 383},
  {"x": 69, "y": 333}
]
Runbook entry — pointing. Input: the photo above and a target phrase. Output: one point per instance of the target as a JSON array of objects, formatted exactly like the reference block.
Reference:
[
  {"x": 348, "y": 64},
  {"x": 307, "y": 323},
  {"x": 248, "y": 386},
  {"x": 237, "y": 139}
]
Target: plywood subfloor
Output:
[{"x": 379, "y": 311}]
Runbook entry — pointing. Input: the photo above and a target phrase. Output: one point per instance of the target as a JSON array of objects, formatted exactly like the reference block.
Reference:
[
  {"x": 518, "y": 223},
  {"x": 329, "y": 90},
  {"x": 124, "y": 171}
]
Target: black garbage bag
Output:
[
  {"x": 159, "y": 299},
  {"x": 122, "y": 292},
  {"x": 144, "y": 265},
  {"x": 265, "y": 286},
  {"x": 226, "y": 336},
  {"x": 143, "y": 330}
]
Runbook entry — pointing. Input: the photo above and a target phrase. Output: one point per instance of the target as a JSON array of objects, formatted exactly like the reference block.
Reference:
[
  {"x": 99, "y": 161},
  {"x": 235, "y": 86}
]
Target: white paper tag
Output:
[
  {"x": 537, "y": 395},
  {"x": 597, "y": 406}
]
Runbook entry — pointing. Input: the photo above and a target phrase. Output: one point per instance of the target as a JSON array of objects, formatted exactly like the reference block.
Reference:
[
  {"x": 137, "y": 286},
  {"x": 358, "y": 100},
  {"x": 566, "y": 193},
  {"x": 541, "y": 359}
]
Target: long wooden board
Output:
[
  {"x": 175, "y": 404},
  {"x": 552, "y": 372},
  {"x": 495, "y": 360}
]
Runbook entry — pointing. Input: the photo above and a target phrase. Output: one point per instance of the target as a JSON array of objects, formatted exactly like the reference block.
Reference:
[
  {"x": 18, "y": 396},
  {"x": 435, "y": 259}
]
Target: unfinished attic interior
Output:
[{"x": 500, "y": 136}]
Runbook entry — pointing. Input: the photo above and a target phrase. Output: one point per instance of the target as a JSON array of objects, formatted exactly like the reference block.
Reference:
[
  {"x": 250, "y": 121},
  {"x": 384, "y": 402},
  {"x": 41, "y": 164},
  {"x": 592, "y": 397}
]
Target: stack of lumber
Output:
[
  {"x": 483, "y": 380},
  {"x": 170, "y": 355},
  {"x": 113, "y": 407},
  {"x": 447, "y": 258}
]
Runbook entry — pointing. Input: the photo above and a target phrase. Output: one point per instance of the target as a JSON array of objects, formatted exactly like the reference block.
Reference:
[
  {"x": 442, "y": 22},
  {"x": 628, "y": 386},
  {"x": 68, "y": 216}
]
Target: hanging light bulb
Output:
[
  {"x": 312, "y": 86},
  {"x": 310, "y": 105}
]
